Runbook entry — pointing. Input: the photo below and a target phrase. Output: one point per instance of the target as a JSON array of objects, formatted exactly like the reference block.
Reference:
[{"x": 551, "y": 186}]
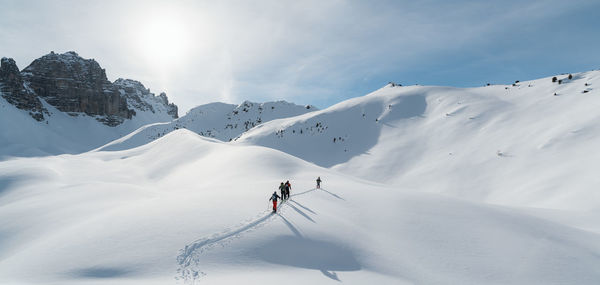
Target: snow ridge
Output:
[
  {"x": 516, "y": 166},
  {"x": 405, "y": 135},
  {"x": 220, "y": 121}
]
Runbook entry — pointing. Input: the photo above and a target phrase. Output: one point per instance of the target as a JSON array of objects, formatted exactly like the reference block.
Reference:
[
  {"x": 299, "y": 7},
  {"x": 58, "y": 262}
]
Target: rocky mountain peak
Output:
[
  {"x": 69, "y": 66},
  {"x": 76, "y": 85},
  {"x": 140, "y": 97},
  {"x": 13, "y": 90},
  {"x": 132, "y": 85},
  {"x": 9, "y": 70},
  {"x": 79, "y": 86}
]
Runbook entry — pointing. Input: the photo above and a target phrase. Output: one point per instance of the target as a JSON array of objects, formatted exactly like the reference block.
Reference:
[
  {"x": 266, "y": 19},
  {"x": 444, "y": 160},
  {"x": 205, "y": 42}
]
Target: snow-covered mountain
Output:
[
  {"x": 73, "y": 108},
  {"x": 515, "y": 164},
  {"x": 538, "y": 138},
  {"x": 216, "y": 120},
  {"x": 196, "y": 209},
  {"x": 63, "y": 103}
]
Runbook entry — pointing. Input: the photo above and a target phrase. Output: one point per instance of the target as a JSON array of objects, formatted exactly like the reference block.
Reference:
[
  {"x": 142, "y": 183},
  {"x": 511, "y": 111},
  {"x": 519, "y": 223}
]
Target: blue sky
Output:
[{"x": 308, "y": 52}]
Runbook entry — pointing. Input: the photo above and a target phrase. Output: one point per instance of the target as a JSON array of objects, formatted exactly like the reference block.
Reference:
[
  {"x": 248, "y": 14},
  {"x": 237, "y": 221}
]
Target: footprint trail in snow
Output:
[{"x": 189, "y": 257}]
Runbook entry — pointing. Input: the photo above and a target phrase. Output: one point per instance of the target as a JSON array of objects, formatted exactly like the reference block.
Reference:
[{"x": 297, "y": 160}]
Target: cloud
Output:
[{"x": 310, "y": 51}]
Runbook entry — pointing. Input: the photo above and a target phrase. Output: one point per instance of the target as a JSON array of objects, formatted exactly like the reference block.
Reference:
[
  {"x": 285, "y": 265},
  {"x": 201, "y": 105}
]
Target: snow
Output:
[
  {"x": 501, "y": 144},
  {"x": 60, "y": 133},
  {"x": 215, "y": 120},
  {"x": 448, "y": 186}
]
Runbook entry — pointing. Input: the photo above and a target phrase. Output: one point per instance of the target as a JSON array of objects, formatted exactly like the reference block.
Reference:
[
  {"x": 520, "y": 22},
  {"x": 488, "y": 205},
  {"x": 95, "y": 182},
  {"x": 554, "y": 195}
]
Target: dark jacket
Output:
[{"x": 274, "y": 197}]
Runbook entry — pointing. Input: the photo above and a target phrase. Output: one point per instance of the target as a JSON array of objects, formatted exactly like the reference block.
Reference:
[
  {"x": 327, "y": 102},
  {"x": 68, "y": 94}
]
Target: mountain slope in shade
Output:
[
  {"x": 447, "y": 140},
  {"x": 59, "y": 132}
]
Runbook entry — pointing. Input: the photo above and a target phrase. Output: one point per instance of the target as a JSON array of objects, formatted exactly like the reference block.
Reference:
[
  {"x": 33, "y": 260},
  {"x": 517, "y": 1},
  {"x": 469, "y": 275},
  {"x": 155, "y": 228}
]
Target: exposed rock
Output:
[
  {"x": 79, "y": 86},
  {"x": 15, "y": 92},
  {"x": 171, "y": 107},
  {"x": 76, "y": 85},
  {"x": 140, "y": 98}
]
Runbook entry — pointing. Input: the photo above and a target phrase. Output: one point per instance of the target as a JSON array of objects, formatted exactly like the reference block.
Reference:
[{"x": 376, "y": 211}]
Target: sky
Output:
[{"x": 317, "y": 52}]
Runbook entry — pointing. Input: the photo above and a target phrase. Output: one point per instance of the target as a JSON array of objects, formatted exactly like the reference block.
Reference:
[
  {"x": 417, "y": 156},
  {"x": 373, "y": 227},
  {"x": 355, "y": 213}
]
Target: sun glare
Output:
[{"x": 164, "y": 42}]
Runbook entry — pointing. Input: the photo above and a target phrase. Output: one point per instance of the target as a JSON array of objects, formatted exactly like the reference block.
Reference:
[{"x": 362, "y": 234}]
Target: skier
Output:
[
  {"x": 282, "y": 190},
  {"x": 319, "y": 182},
  {"x": 288, "y": 187},
  {"x": 274, "y": 198}
]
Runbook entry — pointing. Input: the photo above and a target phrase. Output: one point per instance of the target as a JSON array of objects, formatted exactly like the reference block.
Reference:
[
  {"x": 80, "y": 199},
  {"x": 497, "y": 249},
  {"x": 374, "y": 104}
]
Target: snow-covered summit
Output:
[
  {"x": 445, "y": 139},
  {"x": 215, "y": 120},
  {"x": 182, "y": 208},
  {"x": 227, "y": 121}
]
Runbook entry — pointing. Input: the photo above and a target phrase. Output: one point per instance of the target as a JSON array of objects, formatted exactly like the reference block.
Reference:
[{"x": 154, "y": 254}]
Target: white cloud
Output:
[{"x": 261, "y": 50}]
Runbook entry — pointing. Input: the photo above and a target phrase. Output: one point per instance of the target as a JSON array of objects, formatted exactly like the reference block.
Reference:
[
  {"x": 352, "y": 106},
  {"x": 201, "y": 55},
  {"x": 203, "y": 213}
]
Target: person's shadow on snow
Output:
[
  {"x": 299, "y": 251},
  {"x": 331, "y": 275}
]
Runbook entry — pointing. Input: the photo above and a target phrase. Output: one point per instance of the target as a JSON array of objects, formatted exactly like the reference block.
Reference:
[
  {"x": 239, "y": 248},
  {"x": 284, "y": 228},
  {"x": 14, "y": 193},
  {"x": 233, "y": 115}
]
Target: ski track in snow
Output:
[{"x": 189, "y": 257}]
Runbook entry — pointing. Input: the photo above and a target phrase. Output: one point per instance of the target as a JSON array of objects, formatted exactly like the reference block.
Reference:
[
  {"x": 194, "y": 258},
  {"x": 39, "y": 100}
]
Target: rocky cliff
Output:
[
  {"x": 77, "y": 86},
  {"x": 15, "y": 92},
  {"x": 140, "y": 98}
]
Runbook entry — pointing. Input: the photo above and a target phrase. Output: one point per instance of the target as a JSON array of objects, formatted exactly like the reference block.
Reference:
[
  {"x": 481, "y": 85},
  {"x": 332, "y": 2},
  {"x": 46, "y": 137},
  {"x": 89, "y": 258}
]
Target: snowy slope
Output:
[
  {"x": 507, "y": 144},
  {"x": 185, "y": 204},
  {"x": 72, "y": 107},
  {"x": 21, "y": 135},
  {"x": 216, "y": 120},
  {"x": 515, "y": 165}
]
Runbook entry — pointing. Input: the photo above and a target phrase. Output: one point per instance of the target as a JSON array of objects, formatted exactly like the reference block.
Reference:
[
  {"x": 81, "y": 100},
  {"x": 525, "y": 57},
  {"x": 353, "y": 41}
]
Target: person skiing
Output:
[
  {"x": 319, "y": 182},
  {"x": 288, "y": 187},
  {"x": 282, "y": 190},
  {"x": 274, "y": 198}
]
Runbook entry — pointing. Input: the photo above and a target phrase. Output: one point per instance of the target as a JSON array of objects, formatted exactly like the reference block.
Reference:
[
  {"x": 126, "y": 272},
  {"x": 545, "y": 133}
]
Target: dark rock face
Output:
[
  {"x": 76, "y": 85},
  {"x": 15, "y": 92},
  {"x": 172, "y": 108},
  {"x": 133, "y": 91}
]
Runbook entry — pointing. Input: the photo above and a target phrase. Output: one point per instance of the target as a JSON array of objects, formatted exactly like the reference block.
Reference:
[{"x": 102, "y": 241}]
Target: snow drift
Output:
[
  {"x": 514, "y": 164},
  {"x": 532, "y": 143},
  {"x": 126, "y": 217}
]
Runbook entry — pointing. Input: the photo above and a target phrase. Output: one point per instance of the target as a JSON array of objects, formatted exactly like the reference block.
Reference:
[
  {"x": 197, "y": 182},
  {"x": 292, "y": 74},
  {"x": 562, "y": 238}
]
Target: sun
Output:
[{"x": 164, "y": 41}]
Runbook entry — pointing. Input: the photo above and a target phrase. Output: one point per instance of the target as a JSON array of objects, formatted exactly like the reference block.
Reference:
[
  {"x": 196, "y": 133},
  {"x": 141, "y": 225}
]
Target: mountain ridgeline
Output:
[
  {"x": 77, "y": 86},
  {"x": 221, "y": 121},
  {"x": 63, "y": 103}
]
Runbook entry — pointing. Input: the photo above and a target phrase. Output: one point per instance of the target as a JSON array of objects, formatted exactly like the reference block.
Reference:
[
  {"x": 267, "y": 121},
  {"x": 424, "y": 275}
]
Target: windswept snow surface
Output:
[
  {"x": 185, "y": 208},
  {"x": 533, "y": 143},
  {"x": 423, "y": 185}
]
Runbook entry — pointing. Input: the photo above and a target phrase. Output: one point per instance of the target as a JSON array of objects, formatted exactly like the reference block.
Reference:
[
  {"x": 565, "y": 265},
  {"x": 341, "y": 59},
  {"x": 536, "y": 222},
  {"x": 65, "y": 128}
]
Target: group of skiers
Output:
[{"x": 285, "y": 188}]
